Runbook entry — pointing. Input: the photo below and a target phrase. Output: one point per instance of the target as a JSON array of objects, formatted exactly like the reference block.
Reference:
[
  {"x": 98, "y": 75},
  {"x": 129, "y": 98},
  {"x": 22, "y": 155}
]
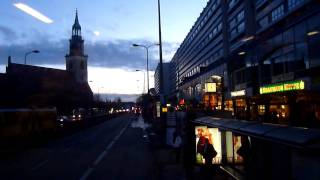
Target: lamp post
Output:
[
  {"x": 147, "y": 50},
  {"x": 162, "y": 99},
  {"x": 26, "y": 54}
]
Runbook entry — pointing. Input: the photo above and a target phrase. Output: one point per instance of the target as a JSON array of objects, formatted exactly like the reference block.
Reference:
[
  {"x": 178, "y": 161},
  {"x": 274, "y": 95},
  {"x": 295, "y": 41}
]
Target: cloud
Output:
[
  {"x": 110, "y": 54},
  {"x": 7, "y": 33}
]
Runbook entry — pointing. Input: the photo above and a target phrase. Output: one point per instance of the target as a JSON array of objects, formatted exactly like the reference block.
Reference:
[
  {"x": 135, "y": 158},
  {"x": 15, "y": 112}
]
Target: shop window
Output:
[
  {"x": 279, "y": 114},
  {"x": 261, "y": 110},
  {"x": 228, "y": 105}
]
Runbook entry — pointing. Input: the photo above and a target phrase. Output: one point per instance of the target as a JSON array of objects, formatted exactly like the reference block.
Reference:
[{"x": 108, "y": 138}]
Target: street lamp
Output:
[
  {"x": 147, "y": 49},
  {"x": 26, "y": 54}
]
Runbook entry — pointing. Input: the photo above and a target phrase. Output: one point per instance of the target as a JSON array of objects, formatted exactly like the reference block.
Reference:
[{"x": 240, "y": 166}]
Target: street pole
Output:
[
  {"x": 162, "y": 99},
  {"x": 147, "y": 48}
]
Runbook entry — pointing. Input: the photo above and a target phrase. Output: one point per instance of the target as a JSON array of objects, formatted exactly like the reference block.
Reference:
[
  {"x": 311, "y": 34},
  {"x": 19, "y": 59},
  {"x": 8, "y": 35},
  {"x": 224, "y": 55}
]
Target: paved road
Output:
[{"x": 111, "y": 150}]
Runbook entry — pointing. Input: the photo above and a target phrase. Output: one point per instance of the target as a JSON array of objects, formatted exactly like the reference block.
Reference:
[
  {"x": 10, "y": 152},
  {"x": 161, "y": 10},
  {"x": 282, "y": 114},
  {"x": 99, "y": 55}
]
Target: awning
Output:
[{"x": 287, "y": 135}]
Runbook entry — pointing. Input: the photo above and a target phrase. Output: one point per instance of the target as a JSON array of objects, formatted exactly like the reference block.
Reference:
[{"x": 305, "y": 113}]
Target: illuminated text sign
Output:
[
  {"x": 238, "y": 93},
  {"x": 287, "y": 86}
]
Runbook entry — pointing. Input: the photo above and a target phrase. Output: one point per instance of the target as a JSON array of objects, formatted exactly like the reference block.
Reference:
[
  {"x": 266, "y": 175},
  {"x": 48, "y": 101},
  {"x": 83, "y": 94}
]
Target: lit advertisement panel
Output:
[
  {"x": 233, "y": 143},
  {"x": 236, "y": 146},
  {"x": 287, "y": 86},
  {"x": 210, "y": 87},
  {"x": 211, "y": 135}
]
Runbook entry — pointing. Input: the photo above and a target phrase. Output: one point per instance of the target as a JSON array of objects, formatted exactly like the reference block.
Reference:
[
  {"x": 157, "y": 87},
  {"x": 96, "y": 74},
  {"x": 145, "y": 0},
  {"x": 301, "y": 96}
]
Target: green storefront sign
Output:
[{"x": 287, "y": 86}]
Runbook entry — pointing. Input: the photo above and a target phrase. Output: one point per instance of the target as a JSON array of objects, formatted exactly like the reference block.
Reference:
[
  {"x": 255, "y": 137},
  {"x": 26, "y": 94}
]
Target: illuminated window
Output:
[
  {"x": 241, "y": 27},
  {"x": 220, "y": 26},
  {"x": 277, "y": 13},
  {"x": 232, "y": 3},
  {"x": 241, "y": 16},
  {"x": 264, "y": 22},
  {"x": 293, "y": 3},
  {"x": 232, "y": 23}
]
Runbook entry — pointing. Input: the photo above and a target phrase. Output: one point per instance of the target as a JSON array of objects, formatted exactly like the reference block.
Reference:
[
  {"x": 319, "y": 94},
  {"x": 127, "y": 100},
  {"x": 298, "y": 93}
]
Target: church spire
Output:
[{"x": 76, "y": 28}]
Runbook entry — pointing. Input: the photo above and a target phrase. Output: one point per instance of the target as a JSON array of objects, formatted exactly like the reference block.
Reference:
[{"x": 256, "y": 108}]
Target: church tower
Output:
[{"x": 76, "y": 60}]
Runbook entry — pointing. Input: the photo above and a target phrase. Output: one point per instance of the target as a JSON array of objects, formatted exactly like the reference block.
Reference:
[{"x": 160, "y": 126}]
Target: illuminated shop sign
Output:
[
  {"x": 238, "y": 93},
  {"x": 287, "y": 86},
  {"x": 210, "y": 87},
  {"x": 164, "y": 109}
]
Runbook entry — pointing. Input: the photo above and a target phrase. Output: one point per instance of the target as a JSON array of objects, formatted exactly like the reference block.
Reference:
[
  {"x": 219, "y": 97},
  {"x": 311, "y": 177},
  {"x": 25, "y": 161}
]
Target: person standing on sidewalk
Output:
[{"x": 177, "y": 142}]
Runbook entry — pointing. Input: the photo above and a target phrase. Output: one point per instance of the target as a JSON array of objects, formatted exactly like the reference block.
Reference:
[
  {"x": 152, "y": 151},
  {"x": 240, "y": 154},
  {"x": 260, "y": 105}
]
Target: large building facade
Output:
[
  {"x": 256, "y": 59},
  {"x": 167, "y": 68}
]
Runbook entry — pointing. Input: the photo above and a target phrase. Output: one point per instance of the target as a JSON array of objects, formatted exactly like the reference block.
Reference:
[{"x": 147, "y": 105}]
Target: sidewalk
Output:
[
  {"x": 165, "y": 160},
  {"x": 169, "y": 169}
]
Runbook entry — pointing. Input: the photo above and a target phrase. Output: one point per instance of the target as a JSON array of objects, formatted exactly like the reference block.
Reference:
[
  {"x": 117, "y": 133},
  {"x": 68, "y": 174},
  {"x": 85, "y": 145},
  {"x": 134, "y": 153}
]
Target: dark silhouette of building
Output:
[
  {"x": 76, "y": 60},
  {"x": 34, "y": 86}
]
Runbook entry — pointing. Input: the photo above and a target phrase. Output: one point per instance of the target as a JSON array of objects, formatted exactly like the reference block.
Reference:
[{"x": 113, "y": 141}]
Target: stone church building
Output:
[{"x": 25, "y": 86}]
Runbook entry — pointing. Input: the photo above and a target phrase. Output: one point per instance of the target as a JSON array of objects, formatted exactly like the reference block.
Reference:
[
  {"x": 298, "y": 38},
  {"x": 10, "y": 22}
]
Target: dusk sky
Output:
[{"x": 109, "y": 27}]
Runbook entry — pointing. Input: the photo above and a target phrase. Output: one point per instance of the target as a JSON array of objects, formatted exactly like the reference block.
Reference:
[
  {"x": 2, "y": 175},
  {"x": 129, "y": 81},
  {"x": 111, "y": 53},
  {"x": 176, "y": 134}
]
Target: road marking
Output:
[
  {"x": 110, "y": 145},
  {"x": 103, "y": 154},
  {"x": 86, "y": 174},
  {"x": 99, "y": 158},
  {"x": 39, "y": 165}
]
